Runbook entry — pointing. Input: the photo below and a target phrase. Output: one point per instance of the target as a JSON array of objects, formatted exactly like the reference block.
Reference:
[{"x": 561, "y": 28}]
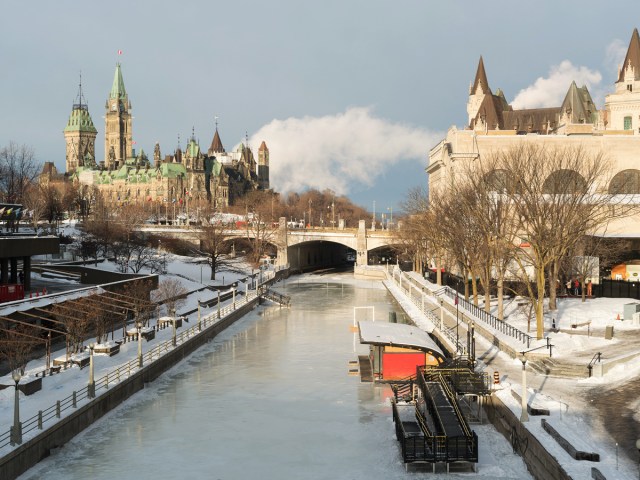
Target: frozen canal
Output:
[{"x": 269, "y": 398}]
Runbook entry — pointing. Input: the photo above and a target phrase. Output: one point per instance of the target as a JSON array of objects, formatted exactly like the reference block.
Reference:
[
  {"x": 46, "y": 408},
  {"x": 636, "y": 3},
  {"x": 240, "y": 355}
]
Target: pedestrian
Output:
[
  {"x": 21, "y": 276},
  {"x": 568, "y": 285},
  {"x": 576, "y": 287},
  {"x": 589, "y": 289}
]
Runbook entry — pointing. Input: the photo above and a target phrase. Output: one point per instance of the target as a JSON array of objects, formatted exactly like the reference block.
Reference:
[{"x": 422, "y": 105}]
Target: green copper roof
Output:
[
  {"x": 173, "y": 170},
  {"x": 193, "y": 148},
  {"x": 117, "y": 89},
  {"x": 80, "y": 121}
]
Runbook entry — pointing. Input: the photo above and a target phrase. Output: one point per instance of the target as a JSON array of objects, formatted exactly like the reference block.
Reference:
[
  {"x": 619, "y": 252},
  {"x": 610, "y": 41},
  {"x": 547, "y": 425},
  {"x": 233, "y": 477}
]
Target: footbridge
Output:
[{"x": 305, "y": 248}]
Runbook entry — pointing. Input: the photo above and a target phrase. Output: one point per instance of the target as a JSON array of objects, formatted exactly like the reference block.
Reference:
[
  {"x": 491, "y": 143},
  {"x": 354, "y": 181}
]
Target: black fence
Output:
[{"x": 607, "y": 288}]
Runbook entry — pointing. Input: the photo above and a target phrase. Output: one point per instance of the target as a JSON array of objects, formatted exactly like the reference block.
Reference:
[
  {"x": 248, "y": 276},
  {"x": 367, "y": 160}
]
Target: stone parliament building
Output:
[{"x": 214, "y": 176}]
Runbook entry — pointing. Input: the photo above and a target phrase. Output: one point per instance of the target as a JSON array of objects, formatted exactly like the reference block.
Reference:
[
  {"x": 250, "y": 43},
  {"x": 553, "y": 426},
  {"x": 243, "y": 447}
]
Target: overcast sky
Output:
[{"x": 349, "y": 95}]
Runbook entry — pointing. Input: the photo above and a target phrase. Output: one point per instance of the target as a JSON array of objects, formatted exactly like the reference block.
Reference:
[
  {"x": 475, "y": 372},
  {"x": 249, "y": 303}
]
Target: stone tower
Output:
[
  {"x": 118, "y": 132},
  {"x": 477, "y": 92},
  {"x": 263, "y": 167},
  {"x": 80, "y": 135}
]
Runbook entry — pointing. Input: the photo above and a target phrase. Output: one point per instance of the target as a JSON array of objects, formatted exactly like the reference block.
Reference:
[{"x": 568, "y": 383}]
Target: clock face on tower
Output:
[{"x": 114, "y": 106}]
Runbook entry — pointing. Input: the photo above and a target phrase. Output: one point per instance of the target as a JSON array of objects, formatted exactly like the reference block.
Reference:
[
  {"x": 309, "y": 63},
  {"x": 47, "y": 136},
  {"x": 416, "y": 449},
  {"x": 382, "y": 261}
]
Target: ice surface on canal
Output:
[{"x": 268, "y": 398}]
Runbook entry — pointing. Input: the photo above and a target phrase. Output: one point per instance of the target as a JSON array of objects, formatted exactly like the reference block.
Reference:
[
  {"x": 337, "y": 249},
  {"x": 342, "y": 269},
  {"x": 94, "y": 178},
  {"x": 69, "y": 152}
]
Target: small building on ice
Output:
[{"x": 397, "y": 349}]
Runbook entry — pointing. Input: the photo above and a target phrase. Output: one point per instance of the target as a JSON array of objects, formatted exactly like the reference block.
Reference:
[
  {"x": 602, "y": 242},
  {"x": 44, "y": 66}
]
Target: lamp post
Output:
[
  {"x": 16, "y": 430},
  {"x": 524, "y": 416},
  {"x": 638, "y": 447},
  {"x": 173, "y": 337},
  {"x": 139, "y": 326},
  {"x": 91, "y": 388},
  {"x": 457, "y": 317}
]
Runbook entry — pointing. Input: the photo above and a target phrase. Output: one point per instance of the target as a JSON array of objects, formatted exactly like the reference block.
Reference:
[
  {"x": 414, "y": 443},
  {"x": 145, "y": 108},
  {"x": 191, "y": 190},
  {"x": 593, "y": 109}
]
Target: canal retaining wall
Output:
[
  {"x": 31, "y": 452},
  {"x": 539, "y": 461}
]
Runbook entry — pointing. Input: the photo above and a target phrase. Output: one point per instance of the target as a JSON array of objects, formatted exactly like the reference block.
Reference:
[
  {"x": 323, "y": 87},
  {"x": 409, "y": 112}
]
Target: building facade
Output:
[{"x": 493, "y": 126}]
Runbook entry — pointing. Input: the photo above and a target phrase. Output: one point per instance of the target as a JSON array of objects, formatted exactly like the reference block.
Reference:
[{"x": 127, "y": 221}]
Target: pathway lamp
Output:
[
  {"x": 173, "y": 336},
  {"x": 139, "y": 327},
  {"x": 638, "y": 447},
  {"x": 91, "y": 388},
  {"x": 457, "y": 300},
  {"x": 233, "y": 289},
  {"x": 16, "y": 429},
  {"x": 524, "y": 416}
]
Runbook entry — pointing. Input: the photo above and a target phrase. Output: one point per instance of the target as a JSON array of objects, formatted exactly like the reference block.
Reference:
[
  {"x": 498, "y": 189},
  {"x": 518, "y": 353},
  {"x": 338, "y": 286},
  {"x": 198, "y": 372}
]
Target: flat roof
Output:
[{"x": 398, "y": 335}]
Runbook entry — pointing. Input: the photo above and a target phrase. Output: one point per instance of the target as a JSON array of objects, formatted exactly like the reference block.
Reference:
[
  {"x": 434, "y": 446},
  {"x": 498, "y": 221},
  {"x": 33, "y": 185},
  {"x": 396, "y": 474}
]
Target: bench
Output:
[
  {"x": 567, "y": 446},
  {"x": 110, "y": 350}
]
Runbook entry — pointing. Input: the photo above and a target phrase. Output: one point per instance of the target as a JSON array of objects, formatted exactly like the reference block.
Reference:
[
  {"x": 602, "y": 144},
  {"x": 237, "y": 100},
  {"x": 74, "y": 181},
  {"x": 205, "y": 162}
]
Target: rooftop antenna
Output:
[
  {"x": 193, "y": 132},
  {"x": 178, "y": 141},
  {"x": 216, "y": 120}
]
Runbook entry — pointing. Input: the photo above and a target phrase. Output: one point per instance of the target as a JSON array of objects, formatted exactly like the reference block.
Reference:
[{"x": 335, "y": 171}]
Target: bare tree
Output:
[
  {"x": 16, "y": 344},
  {"x": 555, "y": 196},
  {"x": 18, "y": 169},
  {"x": 215, "y": 246},
  {"x": 34, "y": 201},
  {"x": 172, "y": 294},
  {"x": 260, "y": 229}
]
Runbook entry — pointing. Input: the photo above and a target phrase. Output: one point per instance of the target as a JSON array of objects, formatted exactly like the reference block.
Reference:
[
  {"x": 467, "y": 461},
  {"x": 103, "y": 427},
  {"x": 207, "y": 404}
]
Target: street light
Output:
[
  {"x": 457, "y": 300},
  {"x": 524, "y": 416},
  {"x": 139, "y": 327},
  {"x": 638, "y": 447},
  {"x": 91, "y": 389},
  {"x": 16, "y": 430}
]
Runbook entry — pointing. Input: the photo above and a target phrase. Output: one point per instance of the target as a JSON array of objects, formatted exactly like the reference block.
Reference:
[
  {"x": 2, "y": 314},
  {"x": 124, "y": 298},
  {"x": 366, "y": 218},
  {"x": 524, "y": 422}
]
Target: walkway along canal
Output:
[{"x": 270, "y": 397}]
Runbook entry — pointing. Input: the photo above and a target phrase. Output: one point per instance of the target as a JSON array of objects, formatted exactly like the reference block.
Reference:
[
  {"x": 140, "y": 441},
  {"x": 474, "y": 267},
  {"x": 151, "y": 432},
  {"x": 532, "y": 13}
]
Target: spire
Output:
[
  {"x": 117, "y": 89},
  {"x": 216, "y": 143},
  {"x": 632, "y": 59},
  {"x": 81, "y": 102},
  {"x": 481, "y": 79}
]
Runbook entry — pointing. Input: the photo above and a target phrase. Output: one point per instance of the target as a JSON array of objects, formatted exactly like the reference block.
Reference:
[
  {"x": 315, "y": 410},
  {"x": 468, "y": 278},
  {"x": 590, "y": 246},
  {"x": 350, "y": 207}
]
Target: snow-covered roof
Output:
[{"x": 397, "y": 334}]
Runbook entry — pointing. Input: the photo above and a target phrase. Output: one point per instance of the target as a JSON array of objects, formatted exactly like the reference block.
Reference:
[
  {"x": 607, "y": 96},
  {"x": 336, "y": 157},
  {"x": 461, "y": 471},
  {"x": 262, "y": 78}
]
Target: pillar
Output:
[
  {"x": 26, "y": 271},
  {"x": 13, "y": 276},
  {"x": 4, "y": 270},
  {"x": 361, "y": 244},
  {"x": 282, "y": 257}
]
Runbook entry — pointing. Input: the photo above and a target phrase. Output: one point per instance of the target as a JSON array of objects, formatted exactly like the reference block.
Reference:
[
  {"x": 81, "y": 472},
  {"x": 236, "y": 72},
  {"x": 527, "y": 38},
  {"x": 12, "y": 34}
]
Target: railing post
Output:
[
  {"x": 40, "y": 419},
  {"x": 73, "y": 404},
  {"x": 58, "y": 409},
  {"x": 107, "y": 381},
  {"x": 218, "y": 304}
]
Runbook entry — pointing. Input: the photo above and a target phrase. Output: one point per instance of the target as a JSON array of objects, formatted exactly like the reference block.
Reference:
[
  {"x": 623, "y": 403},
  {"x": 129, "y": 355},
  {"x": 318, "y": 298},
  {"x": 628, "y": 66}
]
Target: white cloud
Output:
[
  {"x": 550, "y": 91},
  {"x": 614, "y": 55},
  {"x": 339, "y": 151}
]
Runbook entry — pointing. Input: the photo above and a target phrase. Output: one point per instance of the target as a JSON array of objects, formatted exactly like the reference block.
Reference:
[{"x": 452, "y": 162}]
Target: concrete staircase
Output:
[{"x": 555, "y": 368}]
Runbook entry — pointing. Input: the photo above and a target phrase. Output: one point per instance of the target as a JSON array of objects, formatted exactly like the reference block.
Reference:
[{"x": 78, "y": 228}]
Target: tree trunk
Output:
[
  {"x": 474, "y": 288},
  {"x": 553, "y": 282},
  {"x": 540, "y": 283},
  {"x": 500, "y": 294}
]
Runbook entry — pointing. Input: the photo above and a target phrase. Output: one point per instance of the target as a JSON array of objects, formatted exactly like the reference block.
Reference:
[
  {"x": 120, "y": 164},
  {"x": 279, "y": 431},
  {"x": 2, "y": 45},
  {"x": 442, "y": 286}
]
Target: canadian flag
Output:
[{"x": 119, "y": 52}]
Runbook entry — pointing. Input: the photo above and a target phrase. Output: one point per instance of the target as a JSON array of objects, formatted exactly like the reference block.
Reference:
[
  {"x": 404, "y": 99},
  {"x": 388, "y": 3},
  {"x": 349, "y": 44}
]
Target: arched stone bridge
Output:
[{"x": 303, "y": 248}]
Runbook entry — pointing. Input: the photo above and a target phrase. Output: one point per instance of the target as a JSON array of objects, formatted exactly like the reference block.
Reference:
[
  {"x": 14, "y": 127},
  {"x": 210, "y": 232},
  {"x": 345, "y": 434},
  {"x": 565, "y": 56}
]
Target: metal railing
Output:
[{"x": 124, "y": 371}]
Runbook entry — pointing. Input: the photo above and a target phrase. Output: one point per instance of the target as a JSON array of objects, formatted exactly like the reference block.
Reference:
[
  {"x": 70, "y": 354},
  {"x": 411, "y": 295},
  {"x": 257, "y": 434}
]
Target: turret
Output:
[{"x": 80, "y": 135}]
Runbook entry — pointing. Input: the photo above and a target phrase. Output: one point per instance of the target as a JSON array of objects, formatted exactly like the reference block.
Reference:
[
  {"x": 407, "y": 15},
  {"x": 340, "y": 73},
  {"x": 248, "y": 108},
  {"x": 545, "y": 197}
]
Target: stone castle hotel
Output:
[
  {"x": 125, "y": 176},
  {"x": 493, "y": 125}
]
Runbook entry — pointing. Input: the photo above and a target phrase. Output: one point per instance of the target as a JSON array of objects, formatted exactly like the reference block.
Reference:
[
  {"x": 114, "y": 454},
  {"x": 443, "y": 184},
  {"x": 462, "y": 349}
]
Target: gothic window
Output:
[
  {"x": 564, "y": 182},
  {"x": 626, "y": 181}
]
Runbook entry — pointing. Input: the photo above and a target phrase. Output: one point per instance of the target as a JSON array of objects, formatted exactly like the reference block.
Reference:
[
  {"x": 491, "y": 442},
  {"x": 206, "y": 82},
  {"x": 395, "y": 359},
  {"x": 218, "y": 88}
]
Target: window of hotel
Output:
[
  {"x": 627, "y": 123},
  {"x": 626, "y": 181}
]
